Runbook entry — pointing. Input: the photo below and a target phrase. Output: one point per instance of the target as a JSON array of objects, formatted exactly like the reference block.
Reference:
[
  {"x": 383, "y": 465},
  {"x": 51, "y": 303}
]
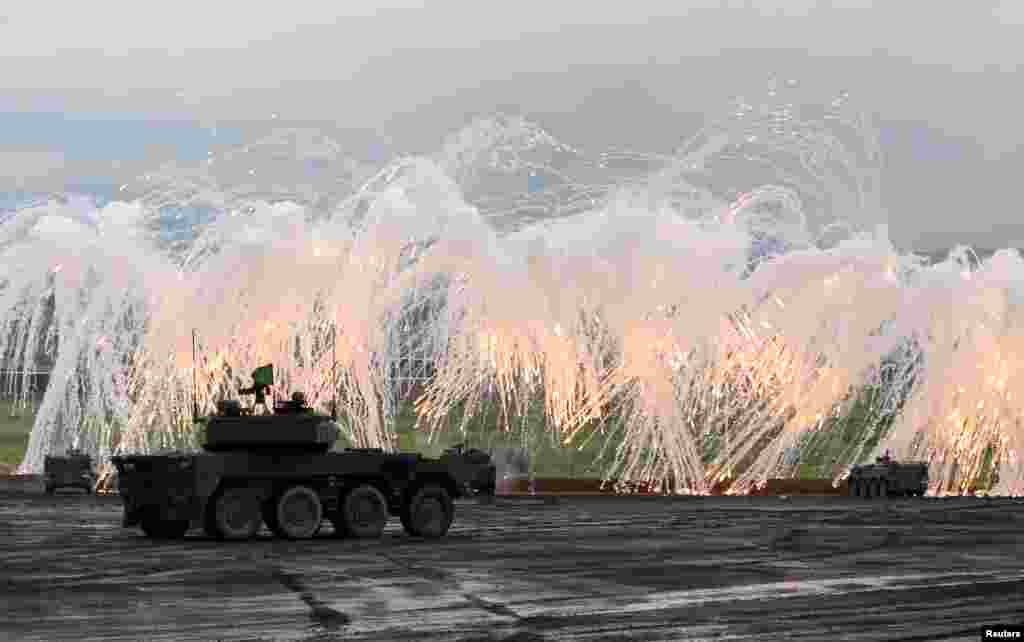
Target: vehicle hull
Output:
[{"x": 180, "y": 487}]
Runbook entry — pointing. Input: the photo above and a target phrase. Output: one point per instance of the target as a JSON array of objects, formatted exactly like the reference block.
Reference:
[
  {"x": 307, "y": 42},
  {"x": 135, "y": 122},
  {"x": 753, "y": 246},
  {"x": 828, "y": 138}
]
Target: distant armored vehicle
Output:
[
  {"x": 888, "y": 478},
  {"x": 280, "y": 469},
  {"x": 72, "y": 470}
]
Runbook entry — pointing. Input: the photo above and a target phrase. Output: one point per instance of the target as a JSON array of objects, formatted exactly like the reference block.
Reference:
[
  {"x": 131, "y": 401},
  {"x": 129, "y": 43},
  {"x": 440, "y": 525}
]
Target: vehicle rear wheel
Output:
[
  {"x": 298, "y": 513},
  {"x": 429, "y": 512},
  {"x": 234, "y": 513},
  {"x": 155, "y": 528},
  {"x": 363, "y": 513}
]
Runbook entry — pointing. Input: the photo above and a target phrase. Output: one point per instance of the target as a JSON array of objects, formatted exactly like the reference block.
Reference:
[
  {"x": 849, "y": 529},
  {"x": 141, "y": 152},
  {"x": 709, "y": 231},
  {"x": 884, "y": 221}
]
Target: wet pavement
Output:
[{"x": 522, "y": 570}]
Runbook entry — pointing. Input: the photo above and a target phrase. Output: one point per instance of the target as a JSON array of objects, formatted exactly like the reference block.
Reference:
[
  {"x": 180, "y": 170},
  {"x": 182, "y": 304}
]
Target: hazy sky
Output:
[{"x": 943, "y": 78}]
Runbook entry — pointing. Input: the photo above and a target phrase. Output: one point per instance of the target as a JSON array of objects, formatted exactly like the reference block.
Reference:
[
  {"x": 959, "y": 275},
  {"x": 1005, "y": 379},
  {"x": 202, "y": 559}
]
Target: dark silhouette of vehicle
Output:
[
  {"x": 280, "y": 469},
  {"x": 72, "y": 470},
  {"x": 888, "y": 478}
]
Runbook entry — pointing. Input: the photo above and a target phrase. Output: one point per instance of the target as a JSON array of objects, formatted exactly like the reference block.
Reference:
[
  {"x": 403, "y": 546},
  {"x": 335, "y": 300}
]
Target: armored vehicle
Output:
[
  {"x": 888, "y": 478},
  {"x": 73, "y": 470},
  {"x": 280, "y": 469}
]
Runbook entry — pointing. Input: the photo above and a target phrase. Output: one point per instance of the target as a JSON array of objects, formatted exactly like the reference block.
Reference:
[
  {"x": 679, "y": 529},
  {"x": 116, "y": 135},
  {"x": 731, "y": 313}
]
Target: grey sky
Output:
[{"x": 943, "y": 76}]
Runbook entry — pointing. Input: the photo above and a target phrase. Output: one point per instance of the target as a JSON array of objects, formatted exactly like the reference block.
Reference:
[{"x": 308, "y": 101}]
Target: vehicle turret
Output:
[{"x": 291, "y": 426}]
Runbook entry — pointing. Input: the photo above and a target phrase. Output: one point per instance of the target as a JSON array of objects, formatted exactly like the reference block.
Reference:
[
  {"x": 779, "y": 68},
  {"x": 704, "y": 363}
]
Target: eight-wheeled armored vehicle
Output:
[
  {"x": 72, "y": 470},
  {"x": 280, "y": 469},
  {"x": 888, "y": 478}
]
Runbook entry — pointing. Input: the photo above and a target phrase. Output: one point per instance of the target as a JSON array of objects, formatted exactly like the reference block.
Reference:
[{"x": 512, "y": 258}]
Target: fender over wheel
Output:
[
  {"x": 298, "y": 513},
  {"x": 429, "y": 512}
]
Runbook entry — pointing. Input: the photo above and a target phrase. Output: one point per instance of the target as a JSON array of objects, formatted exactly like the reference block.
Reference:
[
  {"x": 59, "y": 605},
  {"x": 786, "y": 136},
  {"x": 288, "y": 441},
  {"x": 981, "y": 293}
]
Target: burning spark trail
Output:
[{"x": 698, "y": 321}]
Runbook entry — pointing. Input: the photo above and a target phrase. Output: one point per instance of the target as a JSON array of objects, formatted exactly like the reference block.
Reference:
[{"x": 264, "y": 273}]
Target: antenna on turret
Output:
[
  {"x": 195, "y": 389},
  {"x": 334, "y": 371}
]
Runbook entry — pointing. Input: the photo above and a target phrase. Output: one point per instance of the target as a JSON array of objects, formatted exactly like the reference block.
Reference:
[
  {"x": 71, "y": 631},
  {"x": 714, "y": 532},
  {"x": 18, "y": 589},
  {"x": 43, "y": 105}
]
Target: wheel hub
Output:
[
  {"x": 430, "y": 513},
  {"x": 299, "y": 511},
  {"x": 365, "y": 511}
]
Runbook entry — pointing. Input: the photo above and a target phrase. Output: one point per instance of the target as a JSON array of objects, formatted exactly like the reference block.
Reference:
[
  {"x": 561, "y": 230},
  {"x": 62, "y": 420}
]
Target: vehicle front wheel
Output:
[
  {"x": 234, "y": 513},
  {"x": 298, "y": 513},
  {"x": 429, "y": 512}
]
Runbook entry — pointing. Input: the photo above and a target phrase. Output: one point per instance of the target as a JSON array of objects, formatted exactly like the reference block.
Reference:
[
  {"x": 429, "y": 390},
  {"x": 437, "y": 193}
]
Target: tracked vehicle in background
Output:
[
  {"x": 72, "y": 470},
  {"x": 888, "y": 478},
  {"x": 281, "y": 469}
]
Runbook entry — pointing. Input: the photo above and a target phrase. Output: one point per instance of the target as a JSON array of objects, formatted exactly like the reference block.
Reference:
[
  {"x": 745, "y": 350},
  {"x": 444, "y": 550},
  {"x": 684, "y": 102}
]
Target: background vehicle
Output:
[
  {"x": 888, "y": 478},
  {"x": 72, "y": 470}
]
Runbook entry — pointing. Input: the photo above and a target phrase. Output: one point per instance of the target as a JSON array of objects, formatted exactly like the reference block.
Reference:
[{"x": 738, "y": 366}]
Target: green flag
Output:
[{"x": 263, "y": 376}]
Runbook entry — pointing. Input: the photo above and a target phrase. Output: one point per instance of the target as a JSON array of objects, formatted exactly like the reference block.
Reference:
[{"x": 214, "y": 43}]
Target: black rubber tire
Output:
[
  {"x": 233, "y": 513},
  {"x": 363, "y": 513},
  {"x": 163, "y": 529},
  {"x": 429, "y": 512},
  {"x": 298, "y": 513}
]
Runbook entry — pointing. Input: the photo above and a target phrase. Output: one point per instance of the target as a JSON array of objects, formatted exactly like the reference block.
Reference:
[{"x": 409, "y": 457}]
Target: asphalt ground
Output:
[{"x": 529, "y": 570}]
